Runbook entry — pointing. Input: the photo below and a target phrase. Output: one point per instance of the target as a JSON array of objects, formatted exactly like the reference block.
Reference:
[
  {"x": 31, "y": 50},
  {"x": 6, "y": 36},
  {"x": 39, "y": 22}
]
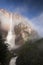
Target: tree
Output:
[{"x": 31, "y": 54}]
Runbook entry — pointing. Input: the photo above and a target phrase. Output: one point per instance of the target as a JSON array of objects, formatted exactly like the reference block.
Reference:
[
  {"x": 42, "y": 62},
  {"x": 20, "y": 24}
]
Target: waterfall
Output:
[
  {"x": 11, "y": 35},
  {"x": 10, "y": 40},
  {"x": 13, "y": 61}
]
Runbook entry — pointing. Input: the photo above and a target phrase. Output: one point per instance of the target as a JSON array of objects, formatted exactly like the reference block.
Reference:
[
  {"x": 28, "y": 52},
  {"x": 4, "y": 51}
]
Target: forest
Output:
[{"x": 31, "y": 53}]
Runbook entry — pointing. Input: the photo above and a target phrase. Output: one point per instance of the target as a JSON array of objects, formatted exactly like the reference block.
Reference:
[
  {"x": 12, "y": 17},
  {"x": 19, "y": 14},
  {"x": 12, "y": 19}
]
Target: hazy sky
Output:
[{"x": 33, "y": 9}]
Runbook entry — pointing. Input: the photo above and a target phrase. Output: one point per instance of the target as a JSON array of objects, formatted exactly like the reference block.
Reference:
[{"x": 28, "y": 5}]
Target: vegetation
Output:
[
  {"x": 31, "y": 53},
  {"x": 5, "y": 54}
]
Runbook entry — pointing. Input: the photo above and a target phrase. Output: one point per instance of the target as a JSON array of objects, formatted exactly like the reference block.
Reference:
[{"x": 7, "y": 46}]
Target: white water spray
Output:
[
  {"x": 11, "y": 35},
  {"x": 13, "y": 61}
]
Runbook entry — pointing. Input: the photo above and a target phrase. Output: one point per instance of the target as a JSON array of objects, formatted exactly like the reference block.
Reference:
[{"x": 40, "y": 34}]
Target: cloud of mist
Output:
[{"x": 38, "y": 24}]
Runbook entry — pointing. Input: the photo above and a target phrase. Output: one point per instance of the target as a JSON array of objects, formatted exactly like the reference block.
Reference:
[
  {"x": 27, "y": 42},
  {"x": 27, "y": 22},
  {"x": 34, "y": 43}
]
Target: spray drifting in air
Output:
[{"x": 11, "y": 35}]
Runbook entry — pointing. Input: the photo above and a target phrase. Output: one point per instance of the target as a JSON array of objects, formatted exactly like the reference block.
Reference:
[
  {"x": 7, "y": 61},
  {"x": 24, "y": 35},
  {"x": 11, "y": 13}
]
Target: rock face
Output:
[
  {"x": 21, "y": 27},
  {"x": 24, "y": 32}
]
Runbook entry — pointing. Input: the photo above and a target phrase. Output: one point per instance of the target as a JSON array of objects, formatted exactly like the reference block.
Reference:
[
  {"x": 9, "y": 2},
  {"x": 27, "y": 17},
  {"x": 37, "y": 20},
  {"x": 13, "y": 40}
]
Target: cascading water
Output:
[
  {"x": 11, "y": 35},
  {"x": 11, "y": 40},
  {"x": 13, "y": 61}
]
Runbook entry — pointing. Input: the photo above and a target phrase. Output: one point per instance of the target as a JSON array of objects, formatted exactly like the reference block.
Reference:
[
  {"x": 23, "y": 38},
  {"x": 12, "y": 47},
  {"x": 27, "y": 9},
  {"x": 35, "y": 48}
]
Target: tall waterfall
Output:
[
  {"x": 11, "y": 35},
  {"x": 11, "y": 40}
]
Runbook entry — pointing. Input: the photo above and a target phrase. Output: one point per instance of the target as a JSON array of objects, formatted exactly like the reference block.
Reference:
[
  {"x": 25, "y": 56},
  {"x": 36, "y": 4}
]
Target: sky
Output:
[{"x": 32, "y": 9}]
